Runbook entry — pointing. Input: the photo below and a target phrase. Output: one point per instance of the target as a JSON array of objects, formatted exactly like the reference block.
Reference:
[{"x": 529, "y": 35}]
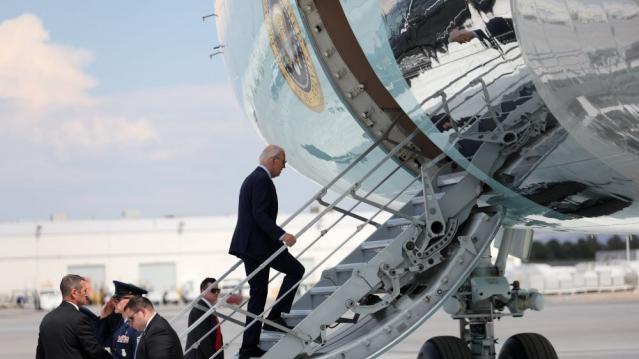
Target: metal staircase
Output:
[
  {"x": 397, "y": 277},
  {"x": 402, "y": 273}
]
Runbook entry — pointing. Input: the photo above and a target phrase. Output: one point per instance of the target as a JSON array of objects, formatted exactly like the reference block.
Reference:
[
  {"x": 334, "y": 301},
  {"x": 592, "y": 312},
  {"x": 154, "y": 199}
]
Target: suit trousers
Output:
[{"x": 293, "y": 270}]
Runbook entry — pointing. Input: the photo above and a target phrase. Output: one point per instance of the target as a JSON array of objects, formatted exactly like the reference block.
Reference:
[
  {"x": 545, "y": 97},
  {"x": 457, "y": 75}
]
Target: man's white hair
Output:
[{"x": 269, "y": 152}]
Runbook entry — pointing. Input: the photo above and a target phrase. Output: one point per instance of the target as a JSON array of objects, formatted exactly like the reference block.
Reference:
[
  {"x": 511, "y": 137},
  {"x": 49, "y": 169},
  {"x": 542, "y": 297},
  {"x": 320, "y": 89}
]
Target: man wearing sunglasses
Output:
[
  {"x": 202, "y": 342},
  {"x": 113, "y": 330}
]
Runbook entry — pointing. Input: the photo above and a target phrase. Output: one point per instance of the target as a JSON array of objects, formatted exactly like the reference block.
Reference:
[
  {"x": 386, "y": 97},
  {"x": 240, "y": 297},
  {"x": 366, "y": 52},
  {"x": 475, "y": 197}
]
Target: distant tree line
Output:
[{"x": 582, "y": 249}]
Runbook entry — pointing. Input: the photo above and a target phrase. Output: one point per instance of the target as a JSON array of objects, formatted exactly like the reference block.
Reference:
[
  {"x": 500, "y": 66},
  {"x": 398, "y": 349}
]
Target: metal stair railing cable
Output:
[
  {"x": 458, "y": 78},
  {"x": 445, "y": 102},
  {"x": 323, "y": 190},
  {"x": 473, "y": 83},
  {"x": 307, "y": 226},
  {"x": 319, "y": 194},
  {"x": 340, "y": 246},
  {"x": 367, "y": 221},
  {"x": 260, "y": 317},
  {"x": 487, "y": 104},
  {"x": 319, "y": 265},
  {"x": 476, "y": 81}
]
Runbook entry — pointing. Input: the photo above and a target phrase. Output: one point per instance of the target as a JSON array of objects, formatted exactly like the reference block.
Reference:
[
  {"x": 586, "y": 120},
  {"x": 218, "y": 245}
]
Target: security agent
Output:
[
  {"x": 113, "y": 330},
  {"x": 65, "y": 332},
  {"x": 204, "y": 340},
  {"x": 158, "y": 340}
]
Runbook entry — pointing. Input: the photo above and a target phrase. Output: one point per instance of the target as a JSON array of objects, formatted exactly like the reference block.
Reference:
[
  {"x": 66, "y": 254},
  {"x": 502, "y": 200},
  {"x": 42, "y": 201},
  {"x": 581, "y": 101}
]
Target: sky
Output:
[{"x": 114, "y": 106}]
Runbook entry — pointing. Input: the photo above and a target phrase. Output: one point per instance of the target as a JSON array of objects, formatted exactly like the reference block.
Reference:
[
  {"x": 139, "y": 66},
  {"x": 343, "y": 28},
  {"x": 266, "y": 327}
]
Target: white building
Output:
[{"x": 161, "y": 254}]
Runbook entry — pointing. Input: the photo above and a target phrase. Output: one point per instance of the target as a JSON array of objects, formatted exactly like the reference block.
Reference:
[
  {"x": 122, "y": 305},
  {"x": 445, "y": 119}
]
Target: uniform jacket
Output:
[
  {"x": 212, "y": 342},
  {"x": 115, "y": 333},
  {"x": 159, "y": 341},
  {"x": 256, "y": 233},
  {"x": 67, "y": 333}
]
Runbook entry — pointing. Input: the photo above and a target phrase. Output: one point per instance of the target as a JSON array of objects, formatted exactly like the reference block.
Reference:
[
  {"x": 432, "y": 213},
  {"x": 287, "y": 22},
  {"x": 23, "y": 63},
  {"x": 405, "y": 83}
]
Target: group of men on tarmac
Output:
[{"x": 128, "y": 326}]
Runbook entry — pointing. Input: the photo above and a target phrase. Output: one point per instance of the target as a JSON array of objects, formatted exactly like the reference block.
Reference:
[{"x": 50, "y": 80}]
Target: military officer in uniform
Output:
[{"x": 113, "y": 330}]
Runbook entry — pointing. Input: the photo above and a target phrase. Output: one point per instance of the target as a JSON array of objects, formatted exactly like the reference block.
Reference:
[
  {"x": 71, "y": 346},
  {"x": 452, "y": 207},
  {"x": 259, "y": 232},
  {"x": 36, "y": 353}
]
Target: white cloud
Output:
[
  {"x": 37, "y": 75},
  {"x": 102, "y": 132},
  {"x": 45, "y": 99}
]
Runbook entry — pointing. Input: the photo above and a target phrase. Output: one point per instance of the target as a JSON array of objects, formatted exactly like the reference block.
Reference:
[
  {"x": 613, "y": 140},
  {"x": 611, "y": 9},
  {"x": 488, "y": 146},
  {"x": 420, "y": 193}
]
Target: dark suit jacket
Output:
[
  {"x": 67, "y": 333},
  {"x": 207, "y": 346},
  {"x": 256, "y": 233},
  {"x": 159, "y": 341}
]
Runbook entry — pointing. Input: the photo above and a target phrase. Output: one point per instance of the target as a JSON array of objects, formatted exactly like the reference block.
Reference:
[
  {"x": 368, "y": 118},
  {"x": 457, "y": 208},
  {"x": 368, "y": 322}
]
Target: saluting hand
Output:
[
  {"x": 289, "y": 239},
  {"x": 108, "y": 308}
]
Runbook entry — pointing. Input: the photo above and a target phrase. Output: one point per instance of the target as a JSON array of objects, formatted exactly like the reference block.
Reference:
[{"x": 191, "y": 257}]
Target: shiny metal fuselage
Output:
[{"x": 408, "y": 45}]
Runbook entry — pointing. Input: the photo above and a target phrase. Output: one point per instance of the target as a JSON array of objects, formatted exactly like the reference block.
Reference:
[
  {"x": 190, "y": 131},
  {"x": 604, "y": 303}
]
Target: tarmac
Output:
[{"x": 587, "y": 326}]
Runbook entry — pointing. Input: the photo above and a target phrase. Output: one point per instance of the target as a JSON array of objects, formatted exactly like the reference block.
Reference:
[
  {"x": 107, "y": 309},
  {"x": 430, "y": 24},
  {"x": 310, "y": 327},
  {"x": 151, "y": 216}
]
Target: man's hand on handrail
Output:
[{"x": 289, "y": 239}]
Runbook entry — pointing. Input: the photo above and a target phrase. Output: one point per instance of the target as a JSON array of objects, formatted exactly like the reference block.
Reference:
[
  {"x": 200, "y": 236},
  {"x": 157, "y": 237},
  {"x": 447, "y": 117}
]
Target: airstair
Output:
[{"x": 404, "y": 271}]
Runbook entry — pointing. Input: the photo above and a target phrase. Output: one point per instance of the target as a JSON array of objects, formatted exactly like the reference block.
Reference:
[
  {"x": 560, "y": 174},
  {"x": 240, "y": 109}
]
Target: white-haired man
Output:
[{"x": 257, "y": 236}]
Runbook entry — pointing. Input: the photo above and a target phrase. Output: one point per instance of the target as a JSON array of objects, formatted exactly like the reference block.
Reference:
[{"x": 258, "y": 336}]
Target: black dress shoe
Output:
[
  {"x": 279, "y": 321},
  {"x": 251, "y": 352}
]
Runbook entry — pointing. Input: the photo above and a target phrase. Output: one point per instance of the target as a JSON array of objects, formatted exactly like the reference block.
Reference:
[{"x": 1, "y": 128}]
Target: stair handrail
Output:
[
  {"x": 322, "y": 234},
  {"x": 461, "y": 131},
  {"x": 319, "y": 194},
  {"x": 359, "y": 228},
  {"x": 260, "y": 317},
  {"x": 263, "y": 265},
  {"x": 458, "y": 78},
  {"x": 324, "y": 189}
]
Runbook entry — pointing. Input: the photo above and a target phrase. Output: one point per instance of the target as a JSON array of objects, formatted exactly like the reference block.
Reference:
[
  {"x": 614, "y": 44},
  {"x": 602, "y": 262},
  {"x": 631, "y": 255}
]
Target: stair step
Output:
[
  {"x": 396, "y": 222},
  {"x": 268, "y": 336},
  {"x": 297, "y": 313},
  {"x": 349, "y": 266},
  {"x": 450, "y": 178},
  {"x": 376, "y": 244},
  {"x": 323, "y": 290}
]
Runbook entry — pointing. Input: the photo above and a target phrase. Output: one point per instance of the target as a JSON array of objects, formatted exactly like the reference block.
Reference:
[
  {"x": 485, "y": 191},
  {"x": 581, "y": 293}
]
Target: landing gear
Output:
[
  {"x": 444, "y": 347},
  {"x": 527, "y": 346},
  {"x": 486, "y": 296}
]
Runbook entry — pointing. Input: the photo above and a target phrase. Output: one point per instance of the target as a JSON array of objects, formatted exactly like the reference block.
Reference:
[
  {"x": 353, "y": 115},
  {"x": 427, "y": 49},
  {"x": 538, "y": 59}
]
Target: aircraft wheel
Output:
[
  {"x": 444, "y": 347},
  {"x": 527, "y": 346}
]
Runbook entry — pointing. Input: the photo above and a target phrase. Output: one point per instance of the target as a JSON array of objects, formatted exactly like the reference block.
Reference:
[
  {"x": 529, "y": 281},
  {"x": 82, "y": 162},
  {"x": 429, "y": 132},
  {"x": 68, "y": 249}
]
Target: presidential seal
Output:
[{"x": 291, "y": 53}]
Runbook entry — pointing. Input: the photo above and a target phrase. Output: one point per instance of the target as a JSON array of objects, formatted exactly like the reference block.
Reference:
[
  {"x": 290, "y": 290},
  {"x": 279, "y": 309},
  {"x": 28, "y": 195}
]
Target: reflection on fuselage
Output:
[
  {"x": 584, "y": 61},
  {"x": 462, "y": 63},
  {"x": 457, "y": 66}
]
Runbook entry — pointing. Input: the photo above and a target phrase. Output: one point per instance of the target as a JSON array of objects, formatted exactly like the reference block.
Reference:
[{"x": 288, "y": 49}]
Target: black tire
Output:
[
  {"x": 444, "y": 347},
  {"x": 527, "y": 346}
]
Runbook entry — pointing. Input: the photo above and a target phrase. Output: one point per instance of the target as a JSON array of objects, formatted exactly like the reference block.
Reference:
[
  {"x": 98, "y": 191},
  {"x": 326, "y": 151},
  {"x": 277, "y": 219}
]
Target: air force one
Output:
[{"x": 470, "y": 121}]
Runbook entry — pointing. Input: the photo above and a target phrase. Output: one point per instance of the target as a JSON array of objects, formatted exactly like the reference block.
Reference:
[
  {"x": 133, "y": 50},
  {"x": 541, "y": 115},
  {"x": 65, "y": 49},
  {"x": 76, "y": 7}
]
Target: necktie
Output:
[
  {"x": 137, "y": 345},
  {"x": 218, "y": 335}
]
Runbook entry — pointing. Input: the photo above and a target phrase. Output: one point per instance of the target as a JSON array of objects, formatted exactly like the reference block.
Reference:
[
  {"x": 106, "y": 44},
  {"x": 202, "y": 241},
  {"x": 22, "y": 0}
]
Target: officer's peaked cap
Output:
[{"x": 122, "y": 289}]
